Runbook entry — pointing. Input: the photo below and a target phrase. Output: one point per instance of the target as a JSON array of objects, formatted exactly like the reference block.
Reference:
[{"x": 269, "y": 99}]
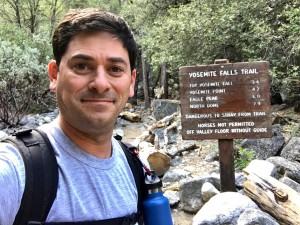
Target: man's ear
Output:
[
  {"x": 132, "y": 83},
  {"x": 53, "y": 75}
]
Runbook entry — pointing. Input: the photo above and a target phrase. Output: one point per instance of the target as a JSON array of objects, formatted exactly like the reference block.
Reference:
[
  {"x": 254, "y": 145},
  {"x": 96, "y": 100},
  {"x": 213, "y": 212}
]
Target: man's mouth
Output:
[{"x": 98, "y": 101}]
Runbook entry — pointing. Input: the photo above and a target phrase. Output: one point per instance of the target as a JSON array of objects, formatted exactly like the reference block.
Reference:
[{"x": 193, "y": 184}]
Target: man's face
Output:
[{"x": 93, "y": 82}]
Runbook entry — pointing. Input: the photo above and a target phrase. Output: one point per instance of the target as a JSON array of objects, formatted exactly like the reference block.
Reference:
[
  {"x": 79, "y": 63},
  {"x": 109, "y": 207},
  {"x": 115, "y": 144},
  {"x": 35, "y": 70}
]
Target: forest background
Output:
[{"x": 170, "y": 34}]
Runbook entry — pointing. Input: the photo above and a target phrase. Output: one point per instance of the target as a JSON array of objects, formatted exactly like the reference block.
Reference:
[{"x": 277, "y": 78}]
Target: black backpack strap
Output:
[
  {"x": 127, "y": 220},
  {"x": 136, "y": 167},
  {"x": 41, "y": 173}
]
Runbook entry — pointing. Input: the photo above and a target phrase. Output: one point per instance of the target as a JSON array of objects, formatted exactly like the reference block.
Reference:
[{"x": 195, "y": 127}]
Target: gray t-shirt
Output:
[{"x": 89, "y": 188}]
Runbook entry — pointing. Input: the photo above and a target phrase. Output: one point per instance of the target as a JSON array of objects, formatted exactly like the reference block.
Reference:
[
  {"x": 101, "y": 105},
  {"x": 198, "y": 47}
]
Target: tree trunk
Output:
[
  {"x": 134, "y": 99},
  {"x": 54, "y": 13},
  {"x": 164, "y": 80},
  {"x": 33, "y": 7},
  {"x": 145, "y": 81},
  {"x": 18, "y": 15}
]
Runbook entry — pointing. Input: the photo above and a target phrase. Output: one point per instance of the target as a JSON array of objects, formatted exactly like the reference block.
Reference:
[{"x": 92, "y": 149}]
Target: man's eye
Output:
[
  {"x": 116, "y": 69},
  {"x": 81, "y": 68}
]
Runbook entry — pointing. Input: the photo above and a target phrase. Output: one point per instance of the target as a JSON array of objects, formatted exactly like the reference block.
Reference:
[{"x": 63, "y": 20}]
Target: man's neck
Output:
[{"x": 96, "y": 145}]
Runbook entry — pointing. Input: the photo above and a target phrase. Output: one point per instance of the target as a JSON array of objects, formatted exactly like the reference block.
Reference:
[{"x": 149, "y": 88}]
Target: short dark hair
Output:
[{"x": 92, "y": 20}]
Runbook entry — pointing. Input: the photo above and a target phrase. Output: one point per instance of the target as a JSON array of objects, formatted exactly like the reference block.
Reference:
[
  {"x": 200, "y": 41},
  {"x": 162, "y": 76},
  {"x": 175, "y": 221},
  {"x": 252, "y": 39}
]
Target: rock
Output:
[
  {"x": 128, "y": 106},
  {"x": 213, "y": 156},
  {"x": 261, "y": 167},
  {"x": 266, "y": 147},
  {"x": 190, "y": 194},
  {"x": 47, "y": 119},
  {"x": 159, "y": 162},
  {"x": 208, "y": 191},
  {"x": 3, "y": 135},
  {"x": 286, "y": 168},
  {"x": 32, "y": 121},
  {"x": 291, "y": 90},
  {"x": 172, "y": 196},
  {"x": 175, "y": 175},
  {"x": 146, "y": 148},
  {"x": 215, "y": 179},
  {"x": 292, "y": 150},
  {"x": 118, "y": 132},
  {"x": 193, "y": 194},
  {"x": 291, "y": 183},
  {"x": 176, "y": 161},
  {"x": 23, "y": 121},
  {"x": 164, "y": 107},
  {"x": 256, "y": 217},
  {"x": 224, "y": 208},
  {"x": 239, "y": 180}
]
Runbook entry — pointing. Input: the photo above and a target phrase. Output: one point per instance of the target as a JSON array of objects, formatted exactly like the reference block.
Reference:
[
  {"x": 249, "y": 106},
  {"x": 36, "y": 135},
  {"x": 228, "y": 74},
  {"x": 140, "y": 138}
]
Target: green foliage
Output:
[
  {"x": 295, "y": 129},
  {"x": 176, "y": 32},
  {"x": 23, "y": 38},
  {"x": 110, "y": 5},
  {"x": 13, "y": 33},
  {"x": 198, "y": 32},
  {"x": 25, "y": 49},
  {"x": 22, "y": 79},
  {"x": 243, "y": 157}
]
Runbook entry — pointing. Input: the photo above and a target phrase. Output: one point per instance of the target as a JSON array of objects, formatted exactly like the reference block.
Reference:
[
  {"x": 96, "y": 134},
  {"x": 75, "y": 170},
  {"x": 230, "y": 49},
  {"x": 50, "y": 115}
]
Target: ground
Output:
[{"x": 195, "y": 158}]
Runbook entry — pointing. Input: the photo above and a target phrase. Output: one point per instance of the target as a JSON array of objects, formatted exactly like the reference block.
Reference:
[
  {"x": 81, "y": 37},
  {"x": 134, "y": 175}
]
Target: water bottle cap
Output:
[{"x": 152, "y": 181}]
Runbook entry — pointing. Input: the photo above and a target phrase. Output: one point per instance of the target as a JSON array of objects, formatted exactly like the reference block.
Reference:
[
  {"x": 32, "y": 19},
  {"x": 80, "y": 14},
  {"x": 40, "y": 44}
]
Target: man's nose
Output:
[{"x": 100, "y": 81}]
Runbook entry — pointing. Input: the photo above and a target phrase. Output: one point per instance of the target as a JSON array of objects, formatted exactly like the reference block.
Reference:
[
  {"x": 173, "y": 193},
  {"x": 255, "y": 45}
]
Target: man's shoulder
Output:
[
  {"x": 12, "y": 182},
  {"x": 9, "y": 152},
  {"x": 10, "y": 159}
]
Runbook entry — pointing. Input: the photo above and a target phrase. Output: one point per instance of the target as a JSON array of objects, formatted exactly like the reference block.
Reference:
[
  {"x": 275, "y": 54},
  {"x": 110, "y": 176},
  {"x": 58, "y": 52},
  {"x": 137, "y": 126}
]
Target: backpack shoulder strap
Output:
[
  {"x": 136, "y": 167},
  {"x": 41, "y": 173}
]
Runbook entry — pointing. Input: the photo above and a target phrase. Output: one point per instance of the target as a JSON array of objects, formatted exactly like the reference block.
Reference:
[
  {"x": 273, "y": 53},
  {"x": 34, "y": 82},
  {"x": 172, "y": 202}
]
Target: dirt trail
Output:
[{"x": 194, "y": 159}]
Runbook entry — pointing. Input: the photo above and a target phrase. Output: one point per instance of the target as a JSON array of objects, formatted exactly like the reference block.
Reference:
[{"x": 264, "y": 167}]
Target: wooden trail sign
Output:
[{"x": 225, "y": 101}]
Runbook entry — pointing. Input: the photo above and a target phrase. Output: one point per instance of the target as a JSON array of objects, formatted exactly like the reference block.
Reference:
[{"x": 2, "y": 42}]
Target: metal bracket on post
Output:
[{"x": 221, "y": 61}]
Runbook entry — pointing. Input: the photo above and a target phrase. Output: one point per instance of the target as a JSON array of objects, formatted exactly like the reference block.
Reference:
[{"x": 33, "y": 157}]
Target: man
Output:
[{"x": 93, "y": 75}]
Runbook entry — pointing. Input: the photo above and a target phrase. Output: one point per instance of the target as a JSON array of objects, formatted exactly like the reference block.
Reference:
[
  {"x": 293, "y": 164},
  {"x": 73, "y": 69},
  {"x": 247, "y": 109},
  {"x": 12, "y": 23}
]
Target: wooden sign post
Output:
[{"x": 225, "y": 101}]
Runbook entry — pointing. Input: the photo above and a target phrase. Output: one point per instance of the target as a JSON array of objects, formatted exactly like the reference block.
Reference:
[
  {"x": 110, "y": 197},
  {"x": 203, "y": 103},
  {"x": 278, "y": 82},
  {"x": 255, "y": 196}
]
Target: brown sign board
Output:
[{"x": 225, "y": 101}]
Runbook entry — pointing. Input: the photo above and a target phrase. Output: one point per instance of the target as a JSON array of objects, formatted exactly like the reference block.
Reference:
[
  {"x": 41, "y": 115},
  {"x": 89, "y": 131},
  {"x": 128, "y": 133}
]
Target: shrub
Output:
[
  {"x": 243, "y": 157},
  {"x": 22, "y": 80}
]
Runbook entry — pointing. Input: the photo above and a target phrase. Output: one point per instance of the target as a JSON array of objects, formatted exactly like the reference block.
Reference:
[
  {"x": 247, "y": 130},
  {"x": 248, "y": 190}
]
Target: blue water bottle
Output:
[{"x": 156, "y": 207}]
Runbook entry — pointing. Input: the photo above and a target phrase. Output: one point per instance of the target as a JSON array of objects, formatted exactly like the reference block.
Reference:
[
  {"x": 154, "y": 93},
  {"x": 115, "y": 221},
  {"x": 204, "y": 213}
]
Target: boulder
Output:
[
  {"x": 286, "y": 168},
  {"x": 208, "y": 191},
  {"x": 256, "y": 217},
  {"x": 175, "y": 175},
  {"x": 164, "y": 107},
  {"x": 3, "y": 135},
  {"x": 266, "y": 147},
  {"x": 190, "y": 194},
  {"x": 291, "y": 183},
  {"x": 262, "y": 167},
  {"x": 172, "y": 196},
  {"x": 292, "y": 150},
  {"x": 224, "y": 208}
]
